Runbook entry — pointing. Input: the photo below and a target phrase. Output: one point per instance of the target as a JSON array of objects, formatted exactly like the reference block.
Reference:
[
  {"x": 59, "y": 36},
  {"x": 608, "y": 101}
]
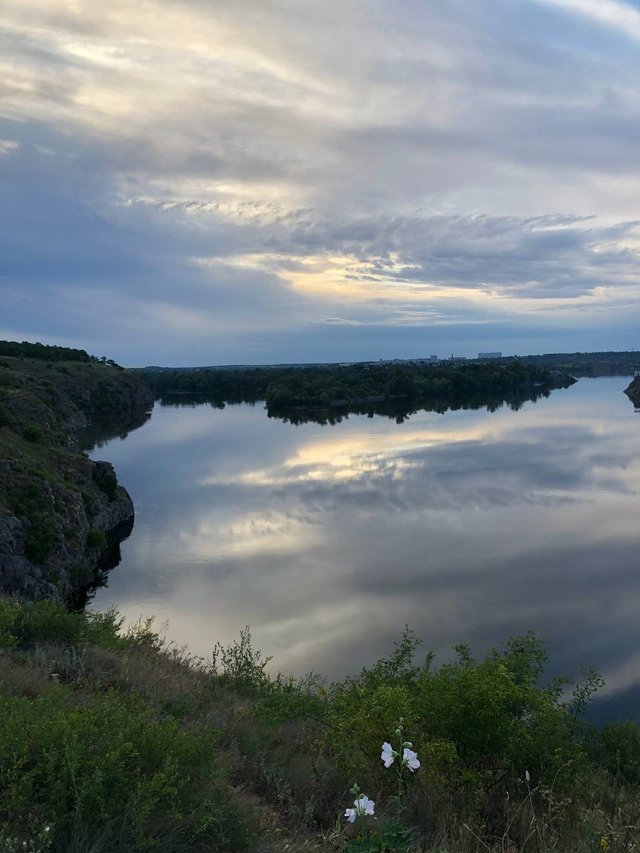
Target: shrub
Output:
[
  {"x": 96, "y": 539},
  {"x": 108, "y": 484},
  {"x": 47, "y": 622},
  {"x": 9, "y": 610},
  {"x": 27, "y": 624},
  {"x": 40, "y": 538},
  {"x": 103, "y": 629},
  {"x": 108, "y": 775},
  {"x": 617, "y": 749},
  {"x": 240, "y": 663},
  {"x": 483, "y": 722},
  {"x": 27, "y": 498}
]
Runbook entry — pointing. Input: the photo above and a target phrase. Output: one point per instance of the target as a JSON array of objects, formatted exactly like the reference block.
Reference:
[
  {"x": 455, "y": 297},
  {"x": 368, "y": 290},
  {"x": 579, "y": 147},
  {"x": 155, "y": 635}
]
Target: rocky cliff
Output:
[
  {"x": 633, "y": 391},
  {"x": 62, "y": 516}
]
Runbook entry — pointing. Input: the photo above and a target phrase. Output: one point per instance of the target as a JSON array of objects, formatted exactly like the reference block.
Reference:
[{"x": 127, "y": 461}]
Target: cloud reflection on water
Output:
[{"x": 469, "y": 527}]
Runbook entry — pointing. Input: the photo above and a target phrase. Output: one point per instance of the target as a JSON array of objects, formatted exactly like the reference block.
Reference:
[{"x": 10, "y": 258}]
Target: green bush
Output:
[
  {"x": 32, "y": 499},
  {"x": 47, "y": 622},
  {"x": 40, "y": 538},
  {"x": 108, "y": 775},
  {"x": 617, "y": 749},
  {"x": 240, "y": 663},
  {"x": 9, "y": 612},
  {"x": 96, "y": 539},
  {"x": 27, "y": 498},
  {"x": 483, "y": 722},
  {"x": 108, "y": 484},
  {"x": 103, "y": 629},
  {"x": 27, "y": 624}
]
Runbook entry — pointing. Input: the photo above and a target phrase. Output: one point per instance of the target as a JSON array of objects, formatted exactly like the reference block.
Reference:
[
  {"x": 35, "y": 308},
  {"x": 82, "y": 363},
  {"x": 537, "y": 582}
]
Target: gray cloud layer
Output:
[{"x": 230, "y": 182}]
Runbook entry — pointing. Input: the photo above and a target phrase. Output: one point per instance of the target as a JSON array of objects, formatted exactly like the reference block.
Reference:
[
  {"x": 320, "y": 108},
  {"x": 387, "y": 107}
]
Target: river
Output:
[{"x": 468, "y": 526}]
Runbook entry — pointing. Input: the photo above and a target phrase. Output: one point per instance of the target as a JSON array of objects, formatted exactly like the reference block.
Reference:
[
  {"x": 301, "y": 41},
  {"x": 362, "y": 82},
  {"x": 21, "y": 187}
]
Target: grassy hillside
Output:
[{"x": 114, "y": 742}]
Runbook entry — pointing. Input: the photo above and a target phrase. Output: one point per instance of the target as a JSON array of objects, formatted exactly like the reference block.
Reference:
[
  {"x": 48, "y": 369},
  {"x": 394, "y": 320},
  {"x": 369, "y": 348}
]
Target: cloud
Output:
[
  {"x": 622, "y": 17},
  {"x": 399, "y": 258},
  {"x": 7, "y": 146},
  {"x": 299, "y": 171},
  {"x": 421, "y": 511}
]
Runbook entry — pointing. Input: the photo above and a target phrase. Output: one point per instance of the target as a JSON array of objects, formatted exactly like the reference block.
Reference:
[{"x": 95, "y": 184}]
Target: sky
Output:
[{"x": 188, "y": 182}]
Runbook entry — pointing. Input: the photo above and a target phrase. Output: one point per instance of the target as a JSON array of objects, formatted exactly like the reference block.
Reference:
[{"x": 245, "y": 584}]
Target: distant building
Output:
[{"x": 489, "y": 355}]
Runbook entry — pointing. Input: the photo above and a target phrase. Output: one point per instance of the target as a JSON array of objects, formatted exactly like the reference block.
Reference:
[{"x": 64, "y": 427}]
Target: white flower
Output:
[
  {"x": 363, "y": 806},
  {"x": 388, "y": 754},
  {"x": 526, "y": 776},
  {"x": 410, "y": 758}
]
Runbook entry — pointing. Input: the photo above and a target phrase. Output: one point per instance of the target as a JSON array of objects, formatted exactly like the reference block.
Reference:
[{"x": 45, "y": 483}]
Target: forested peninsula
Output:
[
  {"x": 439, "y": 385},
  {"x": 62, "y": 515}
]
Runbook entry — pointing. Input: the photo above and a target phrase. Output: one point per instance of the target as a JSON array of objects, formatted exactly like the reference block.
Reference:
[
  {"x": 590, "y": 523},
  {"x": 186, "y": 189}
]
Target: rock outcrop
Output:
[
  {"x": 62, "y": 515},
  {"x": 633, "y": 391}
]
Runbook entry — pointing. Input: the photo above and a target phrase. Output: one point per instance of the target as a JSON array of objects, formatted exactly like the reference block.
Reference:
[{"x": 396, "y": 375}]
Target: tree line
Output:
[
  {"x": 49, "y": 352},
  {"x": 357, "y": 384}
]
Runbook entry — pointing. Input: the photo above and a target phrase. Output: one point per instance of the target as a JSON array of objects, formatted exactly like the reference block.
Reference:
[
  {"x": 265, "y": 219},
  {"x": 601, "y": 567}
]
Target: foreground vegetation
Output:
[{"x": 115, "y": 741}]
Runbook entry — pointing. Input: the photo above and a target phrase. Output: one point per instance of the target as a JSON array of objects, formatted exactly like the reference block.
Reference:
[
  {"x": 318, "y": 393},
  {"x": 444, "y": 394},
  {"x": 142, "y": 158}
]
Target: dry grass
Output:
[{"x": 23, "y": 677}]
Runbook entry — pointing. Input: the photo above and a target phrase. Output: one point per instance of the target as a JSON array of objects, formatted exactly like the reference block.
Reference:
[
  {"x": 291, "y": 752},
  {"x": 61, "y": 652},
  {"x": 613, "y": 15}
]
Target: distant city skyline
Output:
[{"x": 250, "y": 182}]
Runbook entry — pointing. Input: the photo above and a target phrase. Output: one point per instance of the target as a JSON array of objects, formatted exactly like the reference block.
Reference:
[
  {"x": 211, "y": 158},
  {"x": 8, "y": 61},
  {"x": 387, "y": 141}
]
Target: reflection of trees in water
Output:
[
  {"x": 191, "y": 399},
  {"x": 108, "y": 560},
  {"x": 397, "y": 410},
  {"x": 98, "y": 433},
  {"x": 401, "y": 410}
]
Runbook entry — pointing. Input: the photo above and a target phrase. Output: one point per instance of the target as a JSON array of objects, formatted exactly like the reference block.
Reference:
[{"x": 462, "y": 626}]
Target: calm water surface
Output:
[{"x": 469, "y": 527}]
